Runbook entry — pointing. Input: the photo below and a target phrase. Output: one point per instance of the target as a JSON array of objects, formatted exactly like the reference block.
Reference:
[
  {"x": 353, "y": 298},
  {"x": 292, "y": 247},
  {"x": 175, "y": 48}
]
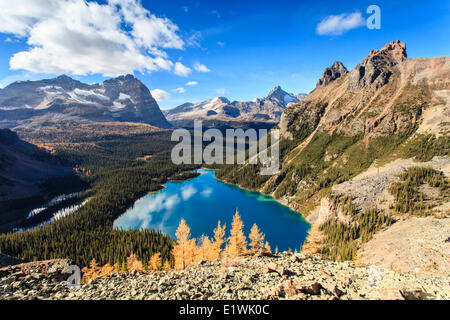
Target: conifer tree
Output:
[
  {"x": 184, "y": 248},
  {"x": 256, "y": 239},
  {"x": 134, "y": 264},
  {"x": 205, "y": 251},
  {"x": 267, "y": 247},
  {"x": 155, "y": 262},
  {"x": 166, "y": 265},
  {"x": 106, "y": 270},
  {"x": 91, "y": 272},
  {"x": 237, "y": 242},
  {"x": 219, "y": 240}
]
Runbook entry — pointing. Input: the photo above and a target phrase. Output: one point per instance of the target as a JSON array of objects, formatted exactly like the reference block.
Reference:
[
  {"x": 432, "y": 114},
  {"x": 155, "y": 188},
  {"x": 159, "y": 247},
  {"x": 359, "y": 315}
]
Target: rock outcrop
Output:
[
  {"x": 352, "y": 136},
  {"x": 337, "y": 70},
  {"x": 34, "y": 103},
  {"x": 376, "y": 69}
]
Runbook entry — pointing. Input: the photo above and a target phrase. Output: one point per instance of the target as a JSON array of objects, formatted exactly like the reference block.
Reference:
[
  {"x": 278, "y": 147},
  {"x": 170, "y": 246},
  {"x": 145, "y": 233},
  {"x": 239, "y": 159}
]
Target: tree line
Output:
[
  {"x": 115, "y": 181},
  {"x": 188, "y": 251}
]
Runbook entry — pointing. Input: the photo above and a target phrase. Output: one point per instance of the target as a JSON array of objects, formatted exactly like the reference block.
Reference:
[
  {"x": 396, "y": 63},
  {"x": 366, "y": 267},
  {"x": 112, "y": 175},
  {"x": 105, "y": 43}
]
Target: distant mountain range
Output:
[
  {"x": 267, "y": 109},
  {"x": 33, "y": 103}
]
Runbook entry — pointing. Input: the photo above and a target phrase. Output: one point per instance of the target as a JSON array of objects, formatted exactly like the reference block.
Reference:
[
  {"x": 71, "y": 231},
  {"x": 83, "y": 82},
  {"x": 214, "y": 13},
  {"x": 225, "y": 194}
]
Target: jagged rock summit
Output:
[
  {"x": 337, "y": 70},
  {"x": 376, "y": 69},
  {"x": 32, "y": 103},
  {"x": 382, "y": 95},
  {"x": 353, "y": 136},
  {"x": 267, "y": 109}
]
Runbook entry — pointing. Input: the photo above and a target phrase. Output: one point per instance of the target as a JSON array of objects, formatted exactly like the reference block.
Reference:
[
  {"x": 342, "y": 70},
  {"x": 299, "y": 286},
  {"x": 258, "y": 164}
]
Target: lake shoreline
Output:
[
  {"x": 191, "y": 201},
  {"x": 259, "y": 191}
]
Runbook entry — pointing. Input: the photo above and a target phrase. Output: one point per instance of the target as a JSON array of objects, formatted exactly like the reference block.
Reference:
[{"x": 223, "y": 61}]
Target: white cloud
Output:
[
  {"x": 179, "y": 90},
  {"x": 201, "y": 67},
  {"x": 339, "y": 24},
  {"x": 80, "y": 37},
  {"x": 221, "y": 91},
  {"x": 182, "y": 70},
  {"x": 160, "y": 95},
  {"x": 221, "y": 44},
  {"x": 192, "y": 83}
]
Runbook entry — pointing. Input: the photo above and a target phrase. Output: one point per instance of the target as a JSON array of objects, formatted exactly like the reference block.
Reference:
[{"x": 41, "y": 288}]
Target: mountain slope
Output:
[
  {"x": 32, "y": 103},
  {"x": 269, "y": 108},
  {"x": 387, "y": 108},
  {"x": 23, "y": 166}
]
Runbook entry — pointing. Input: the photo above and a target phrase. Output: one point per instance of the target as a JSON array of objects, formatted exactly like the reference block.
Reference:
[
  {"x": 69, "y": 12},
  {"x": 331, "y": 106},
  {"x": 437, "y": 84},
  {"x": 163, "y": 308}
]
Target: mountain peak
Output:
[
  {"x": 395, "y": 49},
  {"x": 335, "y": 71},
  {"x": 276, "y": 90},
  {"x": 120, "y": 99},
  {"x": 64, "y": 77},
  {"x": 123, "y": 78},
  {"x": 278, "y": 94},
  {"x": 220, "y": 100},
  {"x": 377, "y": 68},
  {"x": 126, "y": 77}
]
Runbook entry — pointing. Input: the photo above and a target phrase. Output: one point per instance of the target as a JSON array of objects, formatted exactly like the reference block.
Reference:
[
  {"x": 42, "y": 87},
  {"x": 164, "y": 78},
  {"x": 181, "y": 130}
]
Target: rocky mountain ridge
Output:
[
  {"x": 268, "y": 108},
  {"x": 357, "y": 132},
  {"x": 34, "y": 103}
]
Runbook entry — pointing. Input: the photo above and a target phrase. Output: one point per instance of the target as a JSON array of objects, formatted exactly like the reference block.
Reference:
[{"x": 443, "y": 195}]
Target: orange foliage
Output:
[{"x": 237, "y": 242}]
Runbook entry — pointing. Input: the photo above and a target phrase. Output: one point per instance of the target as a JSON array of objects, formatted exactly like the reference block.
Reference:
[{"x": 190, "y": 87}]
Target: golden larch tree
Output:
[
  {"x": 166, "y": 265},
  {"x": 106, "y": 270},
  {"x": 133, "y": 264},
  {"x": 205, "y": 250},
  {"x": 155, "y": 262},
  {"x": 267, "y": 247},
  {"x": 91, "y": 272},
  {"x": 256, "y": 239},
  {"x": 219, "y": 240},
  {"x": 237, "y": 242},
  {"x": 184, "y": 248}
]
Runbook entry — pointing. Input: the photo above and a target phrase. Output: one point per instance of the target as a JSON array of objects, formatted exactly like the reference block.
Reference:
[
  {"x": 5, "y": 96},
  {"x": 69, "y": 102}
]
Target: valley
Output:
[{"x": 363, "y": 183}]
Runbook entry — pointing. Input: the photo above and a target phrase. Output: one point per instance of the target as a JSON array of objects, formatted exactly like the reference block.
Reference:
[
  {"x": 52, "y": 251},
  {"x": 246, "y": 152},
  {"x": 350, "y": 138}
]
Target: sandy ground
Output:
[{"x": 412, "y": 245}]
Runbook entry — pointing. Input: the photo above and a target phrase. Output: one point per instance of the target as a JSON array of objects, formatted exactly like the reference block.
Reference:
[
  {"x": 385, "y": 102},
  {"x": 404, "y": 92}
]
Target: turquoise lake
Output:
[{"x": 204, "y": 200}]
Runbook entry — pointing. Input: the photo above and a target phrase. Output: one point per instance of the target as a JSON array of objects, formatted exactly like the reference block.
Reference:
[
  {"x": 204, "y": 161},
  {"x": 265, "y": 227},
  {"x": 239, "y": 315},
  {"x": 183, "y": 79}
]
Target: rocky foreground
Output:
[{"x": 286, "y": 276}]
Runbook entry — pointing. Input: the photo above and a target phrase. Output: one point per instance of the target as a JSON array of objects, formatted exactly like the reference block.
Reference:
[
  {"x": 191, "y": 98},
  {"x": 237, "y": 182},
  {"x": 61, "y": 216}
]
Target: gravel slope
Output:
[{"x": 287, "y": 276}]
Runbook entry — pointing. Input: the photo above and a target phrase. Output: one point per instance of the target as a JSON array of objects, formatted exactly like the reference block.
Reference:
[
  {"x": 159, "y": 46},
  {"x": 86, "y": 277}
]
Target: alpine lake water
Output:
[{"x": 204, "y": 200}]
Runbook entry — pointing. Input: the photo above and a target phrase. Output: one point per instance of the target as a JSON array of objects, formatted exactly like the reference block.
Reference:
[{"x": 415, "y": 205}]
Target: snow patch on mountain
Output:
[{"x": 269, "y": 108}]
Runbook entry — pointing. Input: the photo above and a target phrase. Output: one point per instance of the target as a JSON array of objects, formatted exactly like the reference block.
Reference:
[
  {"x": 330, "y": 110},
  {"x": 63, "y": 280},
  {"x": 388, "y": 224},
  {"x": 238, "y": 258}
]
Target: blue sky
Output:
[{"x": 238, "y": 49}]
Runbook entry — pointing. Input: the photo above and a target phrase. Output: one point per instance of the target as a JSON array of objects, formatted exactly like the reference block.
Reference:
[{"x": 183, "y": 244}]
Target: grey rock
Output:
[{"x": 335, "y": 71}]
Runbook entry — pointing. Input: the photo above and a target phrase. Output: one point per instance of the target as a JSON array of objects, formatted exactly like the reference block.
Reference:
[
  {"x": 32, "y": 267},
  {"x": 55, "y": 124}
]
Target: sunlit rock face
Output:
[
  {"x": 269, "y": 108},
  {"x": 124, "y": 98}
]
